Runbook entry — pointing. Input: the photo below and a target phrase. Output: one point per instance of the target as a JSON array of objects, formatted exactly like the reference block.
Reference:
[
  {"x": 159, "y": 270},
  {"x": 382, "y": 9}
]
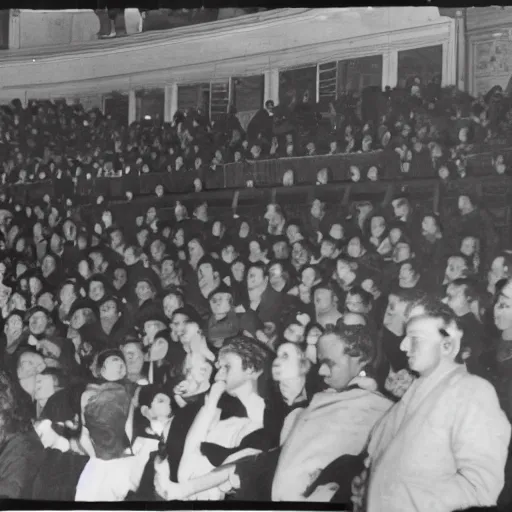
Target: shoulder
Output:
[{"x": 472, "y": 388}]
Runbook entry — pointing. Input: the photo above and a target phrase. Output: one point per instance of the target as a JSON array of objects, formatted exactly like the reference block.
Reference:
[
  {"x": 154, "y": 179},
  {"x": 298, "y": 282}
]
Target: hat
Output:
[
  {"x": 222, "y": 288},
  {"x": 83, "y": 304},
  {"x": 152, "y": 313}
]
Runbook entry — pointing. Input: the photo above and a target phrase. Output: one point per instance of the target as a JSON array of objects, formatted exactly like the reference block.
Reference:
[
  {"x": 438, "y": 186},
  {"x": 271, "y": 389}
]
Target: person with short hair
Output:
[{"x": 443, "y": 446}]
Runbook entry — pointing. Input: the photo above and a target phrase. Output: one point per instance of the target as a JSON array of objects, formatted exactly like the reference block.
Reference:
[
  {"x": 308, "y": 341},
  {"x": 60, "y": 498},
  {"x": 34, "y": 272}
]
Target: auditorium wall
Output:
[{"x": 36, "y": 29}]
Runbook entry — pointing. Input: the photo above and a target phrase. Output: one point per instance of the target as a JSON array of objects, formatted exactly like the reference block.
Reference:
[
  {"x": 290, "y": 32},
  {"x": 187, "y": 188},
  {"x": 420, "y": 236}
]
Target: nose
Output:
[
  {"x": 404, "y": 345},
  {"x": 445, "y": 300},
  {"x": 322, "y": 371}
]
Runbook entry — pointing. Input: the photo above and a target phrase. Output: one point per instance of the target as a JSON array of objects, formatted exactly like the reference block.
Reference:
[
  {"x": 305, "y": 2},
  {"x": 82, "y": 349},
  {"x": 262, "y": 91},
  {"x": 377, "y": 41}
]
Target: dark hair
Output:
[
  {"x": 13, "y": 416},
  {"x": 148, "y": 393},
  {"x": 254, "y": 354},
  {"x": 358, "y": 340},
  {"x": 367, "y": 298},
  {"x": 59, "y": 378},
  {"x": 471, "y": 288},
  {"x": 260, "y": 265}
]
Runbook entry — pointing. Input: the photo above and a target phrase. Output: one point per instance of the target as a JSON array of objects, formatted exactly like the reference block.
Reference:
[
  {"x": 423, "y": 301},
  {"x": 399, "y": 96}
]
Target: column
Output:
[
  {"x": 390, "y": 69},
  {"x": 132, "y": 107},
  {"x": 14, "y": 29},
  {"x": 271, "y": 87},
  {"x": 460, "y": 30},
  {"x": 171, "y": 102}
]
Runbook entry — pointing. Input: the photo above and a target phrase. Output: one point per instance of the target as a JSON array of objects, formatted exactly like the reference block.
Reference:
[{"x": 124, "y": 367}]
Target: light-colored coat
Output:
[
  {"x": 442, "y": 448},
  {"x": 334, "y": 424}
]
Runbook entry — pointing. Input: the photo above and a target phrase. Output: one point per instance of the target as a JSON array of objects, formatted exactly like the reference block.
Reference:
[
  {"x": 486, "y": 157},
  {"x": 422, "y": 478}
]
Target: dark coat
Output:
[{"x": 20, "y": 459}]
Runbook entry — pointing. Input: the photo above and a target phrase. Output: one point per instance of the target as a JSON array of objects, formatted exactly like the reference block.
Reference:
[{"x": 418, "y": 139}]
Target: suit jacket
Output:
[{"x": 443, "y": 447}]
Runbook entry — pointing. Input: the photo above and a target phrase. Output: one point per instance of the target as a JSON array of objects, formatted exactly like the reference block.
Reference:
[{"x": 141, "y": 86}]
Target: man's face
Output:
[
  {"x": 97, "y": 259},
  {"x": 354, "y": 248},
  {"x": 108, "y": 309},
  {"x": 468, "y": 246},
  {"x": 134, "y": 357},
  {"x": 238, "y": 270},
  {"x": 288, "y": 363},
  {"x": 428, "y": 225},
  {"x": 48, "y": 265},
  {"x": 178, "y": 325},
  {"x": 78, "y": 319},
  {"x": 45, "y": 387},
  {"x": 29, "y": 365},
  {"x": 144, "y": 291},
  {"x": 116, "y": 238},
  {"x": 206, "y": 276},
  {"x": 327, "y": 249},
  {"x": 46, "y": 301},
  {"x": 308, "y": 277},
  {"x": 395, "y": 312},
  {"x": 179, "y": 238},
  {"x": 503, "y": 309},
  {"x": 220, "y": 305},
  {"x": 157, "y": 250},
  {"x": 455, "y": 298},
  {"x": 96, "y": 291},
  {"x": 195, "y": 250},
  {"x": 300, "y": 255},
  {"x": 324, "y": 300},
  {"x": 231, "y": 372},
  {"x": 171, "y": 303},
  {"x": 497, "y": 271},
  {"x": 377, "y": 226},
  {"x": 113, "y": 369},
  {"x": 67, "y": 294},
  {"x": 34, "y": 285},
  {"x": 56, "y": 243},
  {"x": 464, "y": 204},
  {"x": 406, "y": 274},
  {"x": 38, "y": 323},
  {"x": 317, "y": 208},
  {"x": 190, "y": 333},
  {"x": 255, "y": 278},
  {"x": 281, "y": 250},
  {"x": 422, "y": 345},
  {"x": 455, "y": 268},
  {"x": 400, "y": 209},
  {"x": 120, "y": 278},
  {"x": 336, "y": 367},
  {"x": 168, "y": 268},
  {"x": 14, "y": 326},
  {"x": 142, "y": 237},
  {"x": 401, "y": 252},
  {"x": 354, "y": 303}
]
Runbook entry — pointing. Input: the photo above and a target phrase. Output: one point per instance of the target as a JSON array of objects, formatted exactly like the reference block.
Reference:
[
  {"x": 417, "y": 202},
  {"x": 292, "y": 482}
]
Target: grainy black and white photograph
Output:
[{"x": 256, "y": 256}]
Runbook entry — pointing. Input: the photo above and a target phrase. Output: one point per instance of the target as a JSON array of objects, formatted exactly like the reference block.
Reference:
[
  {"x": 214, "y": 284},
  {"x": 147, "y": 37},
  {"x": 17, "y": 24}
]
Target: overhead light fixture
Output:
[
  {"x": 497, "y": 34},
  {"x": 147, "y": 118},
  {"x": 322, "y": 17}
]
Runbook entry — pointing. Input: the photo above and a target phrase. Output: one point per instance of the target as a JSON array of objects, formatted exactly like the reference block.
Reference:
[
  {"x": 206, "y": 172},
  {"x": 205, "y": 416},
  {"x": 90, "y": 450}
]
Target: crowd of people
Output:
[
  {"x": 52, "y": 140},
  {"x": 363, "y": 361}
]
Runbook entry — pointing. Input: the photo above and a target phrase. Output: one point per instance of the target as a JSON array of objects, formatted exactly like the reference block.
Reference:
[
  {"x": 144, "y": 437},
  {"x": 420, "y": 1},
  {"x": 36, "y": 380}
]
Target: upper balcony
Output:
[{"x": 249, "y": 45}]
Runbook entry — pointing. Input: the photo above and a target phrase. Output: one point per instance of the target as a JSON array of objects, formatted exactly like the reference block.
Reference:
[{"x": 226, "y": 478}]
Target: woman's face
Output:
[
  {"x": 429, "y": 225},
  {"x": 217, "y": 229},
  {"x": 292, "y": 232},
  {"x": 313, "y": 335},
  {"x": 299, "y": 254},
  {"x": 35, "y": 285}
]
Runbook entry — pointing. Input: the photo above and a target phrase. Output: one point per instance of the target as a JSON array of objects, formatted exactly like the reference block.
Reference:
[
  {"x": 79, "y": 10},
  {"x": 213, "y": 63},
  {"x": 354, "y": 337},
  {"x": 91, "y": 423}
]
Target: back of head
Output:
[{"x": 105, "y": 416}]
